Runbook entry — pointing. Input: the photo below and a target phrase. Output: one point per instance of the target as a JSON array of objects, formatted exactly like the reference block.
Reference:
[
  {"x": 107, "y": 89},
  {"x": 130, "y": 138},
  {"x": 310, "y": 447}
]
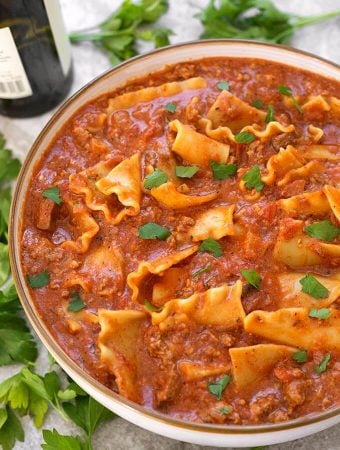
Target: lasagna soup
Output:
[{"x": 181, "y": 236}]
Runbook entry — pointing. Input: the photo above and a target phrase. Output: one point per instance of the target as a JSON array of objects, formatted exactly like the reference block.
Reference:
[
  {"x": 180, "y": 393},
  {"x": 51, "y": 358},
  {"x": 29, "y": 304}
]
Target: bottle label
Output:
[
  {"x": 13, "y": 79},
  {"x": 62, "y": 43}
]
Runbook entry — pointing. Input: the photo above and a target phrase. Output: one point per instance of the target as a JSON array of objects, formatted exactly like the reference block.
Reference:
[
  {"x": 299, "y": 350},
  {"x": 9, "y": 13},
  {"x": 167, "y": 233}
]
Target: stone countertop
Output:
[{"x": 322, "y": 39}]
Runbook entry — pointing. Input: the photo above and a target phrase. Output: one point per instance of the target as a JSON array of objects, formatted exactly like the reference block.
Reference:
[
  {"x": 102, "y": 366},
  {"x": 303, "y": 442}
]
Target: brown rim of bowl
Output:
[{"x": 45, "y": 335}]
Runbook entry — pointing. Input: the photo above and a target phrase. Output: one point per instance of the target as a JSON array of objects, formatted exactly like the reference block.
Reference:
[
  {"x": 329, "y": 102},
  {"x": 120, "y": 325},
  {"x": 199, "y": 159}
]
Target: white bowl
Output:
[{"x": 204, "y": 434}]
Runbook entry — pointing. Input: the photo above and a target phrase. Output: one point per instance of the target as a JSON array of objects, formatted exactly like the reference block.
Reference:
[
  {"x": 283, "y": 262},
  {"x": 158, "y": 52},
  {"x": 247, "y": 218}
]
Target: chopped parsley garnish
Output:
[
  {"x": 217, "y": 388},
  {"x": 252, "y": 277},
  {"x": 311, "y": 286},
  {"x": 223, "y": 86},
  {"x": 322, "y": 367},
  {"x": 323, "y": 230},
  {"x": 76, "y": 303},
  {"x": 212, "y": 246},
  {"x": 203, "y": 269},
  {"x": 224, "y": 410},
  {"x": 150, "y": 307},
  {"x": 244, "y": 137},
  {"x": 284, "y": 90},
  {"x": 222, "y": 171},
  {"x": 322, "y": 313},
  {"x": 155, "y": 179},
  {"x": 171, "y": 107},
  {"x": 39, "y": 280},
  {"x": 257, "y": 103},
  {"x": 53, "y": 193},
  {"x": 301, "y": 356},
  {"x": 270, "y": 117},
  {"x": 253, "y": 179},
  {"x": 153, "y": 231},
  {"x": 186, "y": 171}
]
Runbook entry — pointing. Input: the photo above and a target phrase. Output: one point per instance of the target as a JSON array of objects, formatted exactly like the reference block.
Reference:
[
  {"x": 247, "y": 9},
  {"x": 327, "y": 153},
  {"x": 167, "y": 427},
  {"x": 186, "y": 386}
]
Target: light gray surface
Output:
[{"x": 322, "y": 39}]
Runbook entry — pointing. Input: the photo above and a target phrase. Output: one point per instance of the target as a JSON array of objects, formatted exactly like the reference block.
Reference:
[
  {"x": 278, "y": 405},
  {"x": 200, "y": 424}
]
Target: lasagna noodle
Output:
[
  {"x": 195, "y": 371},
  {"x": 156, "y": 267},
  {"x": 167, "y": 195},
  {"x": 333, "y": 197},
  {"x": 292, "y": 295},
  {"x": 320, "y": 152},
  {"x": 216, "y": 306},
  {"x": 232, "y": 112},
  {"x": 309, "y": 203},
  {"x": 214, "y": 223},
  {"x": 129, "y": 99},
  {"x": 117, "y": 342},
  {"x": 85, "y": 225},
  {"x": 293, "y": 326},
  {"x": 253, "y": 363},
  {"x": 165, "y": 288},
  {"x": 196, "y": 148}
]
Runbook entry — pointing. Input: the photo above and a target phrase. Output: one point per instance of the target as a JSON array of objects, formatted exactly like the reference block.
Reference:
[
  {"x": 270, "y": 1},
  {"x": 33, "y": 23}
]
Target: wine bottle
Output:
[{"x": 35, "y": 57}]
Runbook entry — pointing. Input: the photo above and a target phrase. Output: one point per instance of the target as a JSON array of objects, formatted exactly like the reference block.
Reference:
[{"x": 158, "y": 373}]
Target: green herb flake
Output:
[
  {"x": 323, "y": 230},
  {"x": 322, "y": 313},
  {"x": 76, "y": 303},
  {"x": 224, "y": 410},
  {"x": 252, "y": 277},
  {"x": 152, "y": 230},
  {"x": 244, "y": 137},
  {"x": 203, "y": 269},
  {"x": 322, "y": 367},
  {"x": 171, "y": 107},
  {"x": 223, "y": 86},
  {"x": 300, "y": 356},
  {"x": 155, "y": 179},
  {"x": 311, "y": 286},
  {"x": 270, "y": 117},
  {"x": 39, "y": 280},
  {"x": 253, "y": 179},
  {"x": 53, "y": 193},
  {"x": 150, "y": 307},
  {"x": 217, "y": 388},
  {"x": 222, "y": 171},
  {"x": 284, "y": 90},
  {"x": 212, "y": 246},
  {"x": 186, "y": 171},
  {"x": 257, "y": 103}
]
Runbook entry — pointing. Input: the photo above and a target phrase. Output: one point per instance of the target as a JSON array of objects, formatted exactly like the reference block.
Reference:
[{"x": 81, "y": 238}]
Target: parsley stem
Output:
[{"x": 309, "y": 20}]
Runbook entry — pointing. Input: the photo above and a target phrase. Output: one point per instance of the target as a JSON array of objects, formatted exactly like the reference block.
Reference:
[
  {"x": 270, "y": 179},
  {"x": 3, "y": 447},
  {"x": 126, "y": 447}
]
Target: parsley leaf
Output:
[
  {"x": 10, "y": 430},
  {"x": 270, "y": 117},
  {"x": 284, "y": 90},
  {"x": 39, "y": 280},
  {"x": 76, "y": 303},
  {"x": 244, "y": 137},
  {"x": 310, "y": 285},
  {"x": 53, "y": 193},
  {"x": 4, "y": 263},
  {"x": 222, "y": 171},
  {"x": 217, "y": 388},
  {"x": 253, "y": 179},
  {"x": 88, "y": 414},
  {"x": 257, "y": 103},
  {"x": 55, "y": 441},
  {"x": 155, "y": 179},
  {"x": 186, "y": 171},
  {"x": 212, "y": 246},
  {"x": 118, "y": 35},
  {"x": 253, "y": 19},
  {"x": 203, "y": 269},
  {"x": 300, "y": 356},
  {"x": 324, "y": 230},
  {"x": 322, "y": 313},
  {"x": 223, "y": 85},
  {"x": 224, "y": 410},
  {"x": 153, "y": 231},
  {"x": 171, "y": 107},
  {"x": 322, "y": 367},
  {"x": 150, "y": 307},
  {"x": 252, "y": 277}
]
